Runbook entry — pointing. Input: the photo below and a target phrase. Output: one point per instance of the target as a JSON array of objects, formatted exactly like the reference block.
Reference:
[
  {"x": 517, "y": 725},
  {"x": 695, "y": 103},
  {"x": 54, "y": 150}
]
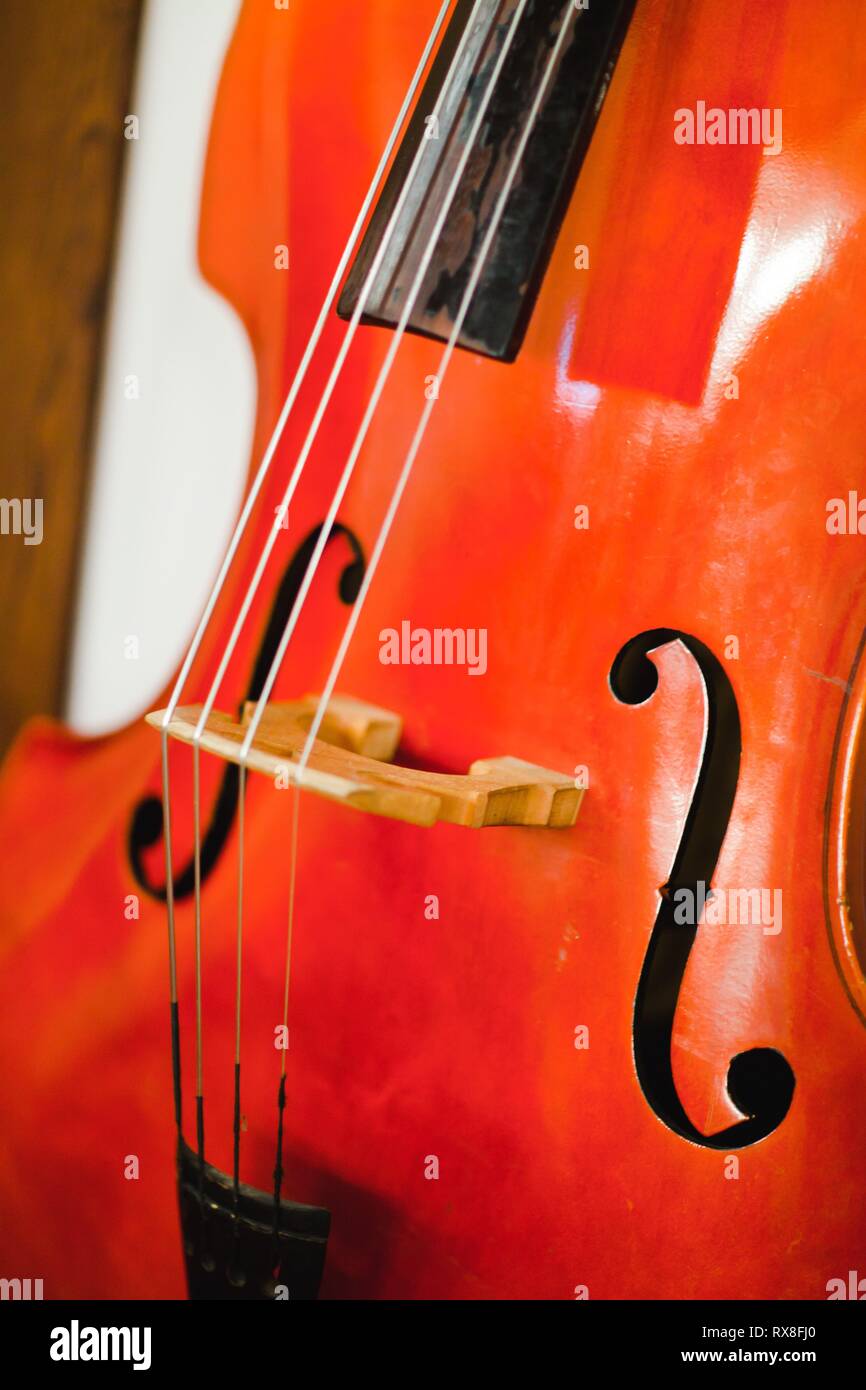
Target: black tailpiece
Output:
[{"x": 235, "y": 1249}]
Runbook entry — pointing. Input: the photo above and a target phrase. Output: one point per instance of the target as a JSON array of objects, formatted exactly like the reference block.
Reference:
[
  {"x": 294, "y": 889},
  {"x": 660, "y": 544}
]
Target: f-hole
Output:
[
  {"x": 146, "y": 826},
  {"x": 760, "y": 1082}
]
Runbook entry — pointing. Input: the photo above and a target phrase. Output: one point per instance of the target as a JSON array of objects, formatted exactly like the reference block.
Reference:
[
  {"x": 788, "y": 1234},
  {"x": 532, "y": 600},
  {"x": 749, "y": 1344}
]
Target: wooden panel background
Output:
[{"x": 65, "y": 78}]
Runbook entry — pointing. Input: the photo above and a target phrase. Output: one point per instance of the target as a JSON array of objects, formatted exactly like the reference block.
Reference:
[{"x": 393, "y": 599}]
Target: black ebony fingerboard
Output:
[{"x": 514, "y": 267}]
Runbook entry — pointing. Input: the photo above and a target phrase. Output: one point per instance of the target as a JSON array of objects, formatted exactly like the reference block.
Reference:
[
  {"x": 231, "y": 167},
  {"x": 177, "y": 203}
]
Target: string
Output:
[
  {"x": 199, "y": 1083},
  {"x": 424, "y": 420},
  {"x": 344, "y": 481},
  {"x": 235, "y": 1272},
  {"x": 181, "y": 681},
  {"x": 242, "y": 787},
  {"x": 199, "y": 1087},
  {"x": 172, "y": 949},
  {"x": 281, "y": 1091},
  {"x": 240, "y": 528},
  {"x": 325, "y": 400},
  {"x": 282, "y": 510},
  {"x": 379, "y": 387},
  {"x": 247, "y": 603}
]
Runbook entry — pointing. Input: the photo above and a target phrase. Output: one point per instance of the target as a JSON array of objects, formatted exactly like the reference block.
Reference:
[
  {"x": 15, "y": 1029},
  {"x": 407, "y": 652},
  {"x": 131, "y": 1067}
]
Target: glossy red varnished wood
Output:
[{"x": 455, "y": 1037}]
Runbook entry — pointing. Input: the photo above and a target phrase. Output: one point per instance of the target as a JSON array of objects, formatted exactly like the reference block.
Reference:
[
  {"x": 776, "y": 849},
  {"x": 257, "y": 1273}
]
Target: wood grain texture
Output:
[
  {"x": 498, "y": 791},
  {"x": 65, "y": 74},
  {"x": 348, "y": 723}
]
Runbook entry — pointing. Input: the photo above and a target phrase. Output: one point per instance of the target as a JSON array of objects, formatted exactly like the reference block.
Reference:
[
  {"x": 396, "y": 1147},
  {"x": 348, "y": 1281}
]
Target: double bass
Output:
[{"x": 505, "y": 817}]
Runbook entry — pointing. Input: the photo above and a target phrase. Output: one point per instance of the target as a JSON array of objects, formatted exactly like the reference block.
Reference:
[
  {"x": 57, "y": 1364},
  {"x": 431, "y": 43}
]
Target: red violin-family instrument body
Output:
[{"x": 513, "y": 1070}]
